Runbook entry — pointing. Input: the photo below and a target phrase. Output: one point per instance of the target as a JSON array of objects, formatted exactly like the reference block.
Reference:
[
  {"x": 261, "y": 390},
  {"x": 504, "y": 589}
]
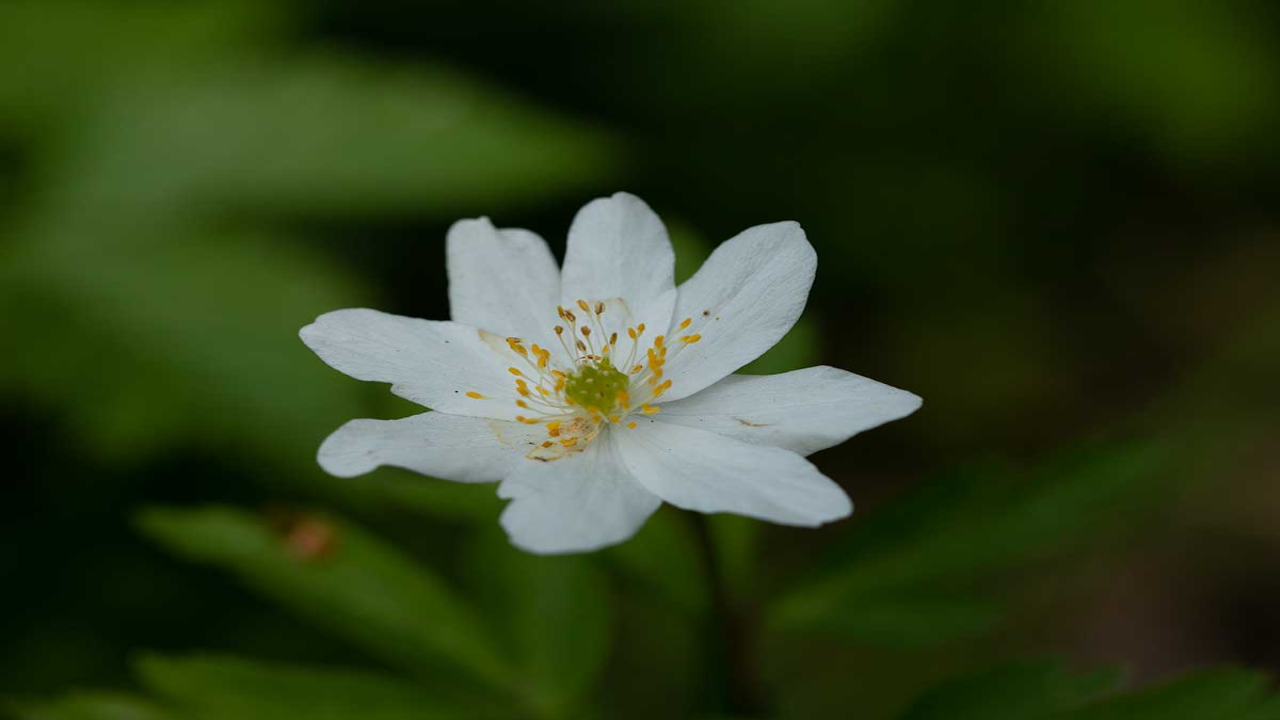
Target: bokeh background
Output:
[{"x": 1058, "y": 223}]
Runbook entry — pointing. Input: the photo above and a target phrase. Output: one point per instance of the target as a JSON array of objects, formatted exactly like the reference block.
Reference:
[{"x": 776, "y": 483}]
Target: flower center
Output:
[
  {"x": 595, "y": 384},
  {"x": 600, "y": 386}
]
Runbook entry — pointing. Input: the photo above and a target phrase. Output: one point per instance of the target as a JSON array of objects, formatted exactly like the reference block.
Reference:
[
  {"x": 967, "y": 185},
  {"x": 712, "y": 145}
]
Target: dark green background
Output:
[{"x": 1058, "y": 223}]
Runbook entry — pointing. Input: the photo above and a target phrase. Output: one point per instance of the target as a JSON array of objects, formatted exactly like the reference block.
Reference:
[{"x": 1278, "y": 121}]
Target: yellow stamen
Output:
[
  {"x": 515, "y": 371},
  {"x": 614, "y": 419},
  {"x": 685, "y": 323},
  {"x": 514, "y": 344},
  {"x": 690, "y": 339},
  {"x": 474, "y": 395},
  {"x": 585, "y": 307},
  {"x": 666, "y": 385},
  {"x": 631, "y": 425},
  {"x": 657, "y": 342},
  {"x": 648, "y": 409}
]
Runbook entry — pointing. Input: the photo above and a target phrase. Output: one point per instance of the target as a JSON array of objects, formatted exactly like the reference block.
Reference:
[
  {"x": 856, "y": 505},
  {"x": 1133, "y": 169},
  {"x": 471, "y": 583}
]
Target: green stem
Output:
[{"x": 739, "y": 687}]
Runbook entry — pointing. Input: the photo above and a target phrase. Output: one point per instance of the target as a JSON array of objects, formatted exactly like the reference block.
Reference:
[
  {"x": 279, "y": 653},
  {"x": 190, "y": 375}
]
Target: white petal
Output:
[
  {"x": 619, "y": 251},
  {"x": 431, "y": 363},
  {"x": 742, "y": 300},
  {"x": 505, "y": 281},
  {"x": 700, "y": 470},
  {"x": 803, "y": 411},
  {"x": 581, "y": 502},
  {"x": 452, "y": 447}
]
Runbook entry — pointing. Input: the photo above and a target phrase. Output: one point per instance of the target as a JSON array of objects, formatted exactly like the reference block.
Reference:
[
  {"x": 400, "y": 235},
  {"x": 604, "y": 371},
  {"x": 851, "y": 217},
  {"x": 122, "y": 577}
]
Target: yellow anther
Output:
[
  {"x": 613, "y": 339},
  {"x": 624, "y": 399},
  {"x": 631, "y": 332},
  {"x": 648, "y": 409},
  {"x": 560, "y": 310},
  {"x": 666, "y": 385},
  {"x": 582, "y": 347},
  {"x": 614, "y": 419},
  {"x": 599, "y": 308},
  {"x": 568, "y": 315},
  {"x": 685, "y": 323},
  {"x": 514, "y": 344},
  {"x": 559, "y": 329},
  {"x": 640, "y": 329},
  {"x": 690, "y": 339},
  {"x": 569, "y": 442},
  {"x": 585, "y": 307},
  {"x": 636, "y": 369},
  {"x": 515, "y": 371},
  {"x": 523, "y": 390},
  {"x": 548, "y": 443},
  {"x": 522, "y": 404},
  {"x": 657, "y": 342},
  {"x": 593, "y": 409},
  {"x": 655, "y": 377},
  {"x": 544, "y": 392},
  {"x": 631, "y": 425},
  {"x": 474, "y": 395},
  {"x": 553, "y": 426},
  {"x": 558, "y": 374},
  {"x": 586, "y": 331}
]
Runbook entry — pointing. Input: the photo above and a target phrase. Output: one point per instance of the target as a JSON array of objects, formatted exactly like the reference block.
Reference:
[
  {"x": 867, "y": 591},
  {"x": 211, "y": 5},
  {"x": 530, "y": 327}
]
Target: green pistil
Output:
[{"x": 596, "y": 386}]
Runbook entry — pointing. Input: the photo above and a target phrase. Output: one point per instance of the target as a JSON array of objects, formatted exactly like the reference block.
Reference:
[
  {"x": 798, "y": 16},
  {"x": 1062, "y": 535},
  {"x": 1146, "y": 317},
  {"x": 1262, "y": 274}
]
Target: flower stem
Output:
[{"x": 738, "y": 689}]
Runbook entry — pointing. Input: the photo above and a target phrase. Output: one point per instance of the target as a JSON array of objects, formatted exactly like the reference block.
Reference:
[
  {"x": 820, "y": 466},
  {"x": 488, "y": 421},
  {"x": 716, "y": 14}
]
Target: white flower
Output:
[{"x": 598, "y": 391}]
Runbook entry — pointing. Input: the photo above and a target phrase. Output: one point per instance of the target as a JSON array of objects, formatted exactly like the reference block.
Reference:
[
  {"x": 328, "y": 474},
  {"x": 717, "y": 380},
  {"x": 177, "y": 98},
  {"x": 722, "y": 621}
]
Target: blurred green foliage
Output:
[{"x": 1055, "y": 222}]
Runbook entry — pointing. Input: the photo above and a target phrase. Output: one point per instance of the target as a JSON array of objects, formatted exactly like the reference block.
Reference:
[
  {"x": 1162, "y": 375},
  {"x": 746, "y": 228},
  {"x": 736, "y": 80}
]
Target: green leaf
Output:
[
  {"x": 176, "y": 325},
  {"x": 933, "y": 552},
  {"x": 1021, "y": 690},
  {"x": 342, "y": 137},
  {"x": 1221, "y": 694},
  {"x": 1045, "y": 691},
  {"x": 228, "y": 687},
  {"x": 153, "y": 347},
  {"x": 353, "y": 585},
  {"x": 92, "y": 706},
  {"x": 555, "y": 614},
  {"x": 57, "y": 56}
]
